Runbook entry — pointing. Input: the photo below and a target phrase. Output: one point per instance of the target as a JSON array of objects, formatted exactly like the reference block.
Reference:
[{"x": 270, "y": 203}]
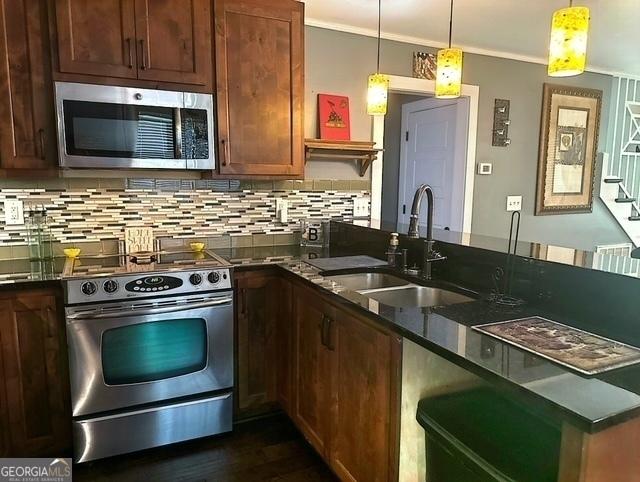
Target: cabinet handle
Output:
[
  {"x": 323, "y": 330},
  {"x": 243, "y": 301},
  {"x": 143, "y": 55},
  {"x": 49, "y": 315},
  {"x": 130, "y": 48},
  {"x": 224, "y": 152},
  {"x": 43, "y": 154},
  {"x": 329, "y": 343}
]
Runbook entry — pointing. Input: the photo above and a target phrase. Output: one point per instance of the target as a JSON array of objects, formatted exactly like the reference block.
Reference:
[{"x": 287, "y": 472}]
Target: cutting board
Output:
[{"x": 345, "y": 262}]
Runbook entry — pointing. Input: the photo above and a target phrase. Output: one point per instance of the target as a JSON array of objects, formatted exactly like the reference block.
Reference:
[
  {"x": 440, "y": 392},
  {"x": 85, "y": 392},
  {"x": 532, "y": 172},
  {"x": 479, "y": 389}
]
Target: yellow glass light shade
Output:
[
  {"x": 568, "y": 45},
  {"x": 377, "y": 92},
  {"x": 449, "y": 73}
]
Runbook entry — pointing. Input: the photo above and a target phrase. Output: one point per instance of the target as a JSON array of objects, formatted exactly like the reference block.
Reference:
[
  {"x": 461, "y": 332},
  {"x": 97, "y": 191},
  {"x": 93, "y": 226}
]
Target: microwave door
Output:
[
  {"x": 102, "y": 135},
  {"x": 117, "y": 127}
]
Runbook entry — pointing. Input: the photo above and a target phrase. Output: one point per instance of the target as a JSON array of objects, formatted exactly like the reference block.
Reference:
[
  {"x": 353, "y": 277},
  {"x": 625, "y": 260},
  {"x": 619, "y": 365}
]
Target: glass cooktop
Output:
[{"x": 140, "y": 263}]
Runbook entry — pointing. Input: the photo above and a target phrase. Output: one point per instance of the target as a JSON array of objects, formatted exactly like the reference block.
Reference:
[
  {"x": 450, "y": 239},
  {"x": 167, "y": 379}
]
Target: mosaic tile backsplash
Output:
[{"x": 81, "y": 213}]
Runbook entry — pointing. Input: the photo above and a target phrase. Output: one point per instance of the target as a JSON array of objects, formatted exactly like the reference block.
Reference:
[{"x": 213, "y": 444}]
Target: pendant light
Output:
[
  {"x": 449, "y": 68},
  {"x": 568, "y": 44},
  {"x": 378, "y": 85}
]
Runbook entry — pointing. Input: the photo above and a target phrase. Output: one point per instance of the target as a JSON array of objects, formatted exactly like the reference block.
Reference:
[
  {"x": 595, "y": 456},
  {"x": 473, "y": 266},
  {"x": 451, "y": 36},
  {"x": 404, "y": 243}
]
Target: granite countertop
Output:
[
  {"x": 17, "y": 272},
  {"x": 589, "y": 403}
]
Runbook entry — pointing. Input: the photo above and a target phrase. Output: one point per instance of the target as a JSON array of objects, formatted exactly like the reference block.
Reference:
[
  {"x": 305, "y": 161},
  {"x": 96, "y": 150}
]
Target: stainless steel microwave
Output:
[{"x": 104, "y": 127}]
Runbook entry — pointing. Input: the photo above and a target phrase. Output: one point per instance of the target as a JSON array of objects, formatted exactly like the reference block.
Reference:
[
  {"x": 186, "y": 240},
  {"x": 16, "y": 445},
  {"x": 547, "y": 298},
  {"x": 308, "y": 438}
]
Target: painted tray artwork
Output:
[
  {"x": 581, "y": 351},
  {"x": 333, "y": 117}
]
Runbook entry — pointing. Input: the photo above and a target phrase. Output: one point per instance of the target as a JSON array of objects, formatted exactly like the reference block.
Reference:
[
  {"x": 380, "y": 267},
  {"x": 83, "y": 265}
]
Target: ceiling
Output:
[{"x": 516, "y": 29}]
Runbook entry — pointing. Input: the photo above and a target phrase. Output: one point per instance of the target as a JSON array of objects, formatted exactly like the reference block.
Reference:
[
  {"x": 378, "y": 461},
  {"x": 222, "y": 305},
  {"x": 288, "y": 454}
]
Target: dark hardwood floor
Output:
[{"x": 269, "y": 449}]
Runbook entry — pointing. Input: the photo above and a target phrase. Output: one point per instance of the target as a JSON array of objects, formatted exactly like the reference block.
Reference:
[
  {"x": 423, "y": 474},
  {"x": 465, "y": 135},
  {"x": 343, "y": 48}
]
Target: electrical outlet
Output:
[
  {"x": 13, "y": 212},
  {"x": 514, "y": 203},
  {"x": 360, "y": 207},
  {"x": 282, "y": 210}
]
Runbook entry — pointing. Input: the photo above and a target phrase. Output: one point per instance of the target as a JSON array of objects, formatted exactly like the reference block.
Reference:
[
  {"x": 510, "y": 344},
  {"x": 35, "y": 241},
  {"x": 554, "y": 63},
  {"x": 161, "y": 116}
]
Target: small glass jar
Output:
[{"x": 39, "y": 238}]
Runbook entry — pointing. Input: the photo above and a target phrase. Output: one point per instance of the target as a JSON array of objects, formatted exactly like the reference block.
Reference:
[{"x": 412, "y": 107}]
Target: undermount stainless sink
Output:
[
  {"x": 367, "y": 281},
  {"x": 413, "y": 296},
  {"x": 397, "y": 292}
]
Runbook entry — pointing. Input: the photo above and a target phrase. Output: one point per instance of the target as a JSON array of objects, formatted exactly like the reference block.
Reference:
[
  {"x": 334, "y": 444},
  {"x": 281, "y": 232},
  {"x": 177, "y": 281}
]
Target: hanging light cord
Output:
[
  {"x": 450, "y": 23},
  {"x": 379, "y": 33}
]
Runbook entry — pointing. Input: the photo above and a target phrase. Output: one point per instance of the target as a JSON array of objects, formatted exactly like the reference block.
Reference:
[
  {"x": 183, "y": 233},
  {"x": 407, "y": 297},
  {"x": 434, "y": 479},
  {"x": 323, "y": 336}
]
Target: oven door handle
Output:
[{"x": 149, "y": 311}]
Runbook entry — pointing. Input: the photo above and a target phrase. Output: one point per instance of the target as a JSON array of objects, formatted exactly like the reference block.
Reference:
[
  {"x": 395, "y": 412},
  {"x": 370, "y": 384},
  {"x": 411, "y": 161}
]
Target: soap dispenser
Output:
[{"x": 392, "y": 252}]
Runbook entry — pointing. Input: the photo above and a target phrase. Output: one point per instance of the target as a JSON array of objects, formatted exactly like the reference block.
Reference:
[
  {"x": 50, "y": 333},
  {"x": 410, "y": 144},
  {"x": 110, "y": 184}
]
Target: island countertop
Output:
[{"x": 590, "y": 403}]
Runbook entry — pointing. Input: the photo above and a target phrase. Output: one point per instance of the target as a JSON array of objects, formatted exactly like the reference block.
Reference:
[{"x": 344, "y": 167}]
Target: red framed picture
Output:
[{"x": 333, "y": 117}]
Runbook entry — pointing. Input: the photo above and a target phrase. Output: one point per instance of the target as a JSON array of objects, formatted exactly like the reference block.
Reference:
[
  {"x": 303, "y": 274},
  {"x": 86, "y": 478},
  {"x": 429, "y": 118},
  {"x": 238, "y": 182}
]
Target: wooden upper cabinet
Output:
[
  {"x": 174, "y": 40},
  {"x": 259, "y": 47},
  {"x": 27, "y": 129},
  {"x": 153, "y": 43},
  {"x": 97, "y": 37}
]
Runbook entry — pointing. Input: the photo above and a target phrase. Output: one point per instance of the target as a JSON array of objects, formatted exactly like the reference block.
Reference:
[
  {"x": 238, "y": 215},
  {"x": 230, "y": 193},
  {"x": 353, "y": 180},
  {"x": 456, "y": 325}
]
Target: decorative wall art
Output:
[
  {"x": 568, "y": 148},
  {"x": 333, "y": 117},
  {"x": 424, "y": 65}
]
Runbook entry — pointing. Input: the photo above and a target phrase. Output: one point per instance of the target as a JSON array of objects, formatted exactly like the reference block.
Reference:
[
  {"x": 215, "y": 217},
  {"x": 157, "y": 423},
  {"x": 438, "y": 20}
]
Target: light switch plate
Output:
[
  {"x": 13, "y": 212},
  {"x": 485, "y": 168},
  {"x": 360, "y": 207},
  {"x": 514, "y": 203}
]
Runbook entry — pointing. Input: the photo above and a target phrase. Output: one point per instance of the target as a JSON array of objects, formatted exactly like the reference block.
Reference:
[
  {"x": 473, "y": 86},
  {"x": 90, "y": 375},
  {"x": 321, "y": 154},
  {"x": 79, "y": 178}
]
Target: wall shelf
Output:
[{"x": 362, "y": 152}]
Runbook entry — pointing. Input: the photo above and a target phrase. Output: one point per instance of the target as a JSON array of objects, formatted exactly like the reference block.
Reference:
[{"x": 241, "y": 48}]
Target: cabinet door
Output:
[
  {"x": 174, "y": 41},
  {"x": 97, "y": 37},
  {"x": 312, "y": 360},
  {"x": 260, "y": 86},
  {"x": 257, "y": 311},
  {"x": 35, "y": 375},
  {"x": 27, "y": 132},
  {"x": 364, "y": 415}
]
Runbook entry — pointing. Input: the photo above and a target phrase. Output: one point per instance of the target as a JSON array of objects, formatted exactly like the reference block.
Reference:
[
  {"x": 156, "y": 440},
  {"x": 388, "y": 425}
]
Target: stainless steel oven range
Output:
[{"x": 150, "y": 350}]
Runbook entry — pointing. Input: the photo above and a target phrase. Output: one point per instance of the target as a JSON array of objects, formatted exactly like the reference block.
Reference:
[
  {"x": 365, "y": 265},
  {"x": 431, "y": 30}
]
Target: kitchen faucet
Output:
[{"x": 429, "y": 254}]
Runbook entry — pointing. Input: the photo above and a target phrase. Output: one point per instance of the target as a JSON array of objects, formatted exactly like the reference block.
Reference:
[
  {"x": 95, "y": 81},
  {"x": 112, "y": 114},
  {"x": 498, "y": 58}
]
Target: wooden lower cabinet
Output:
[
  {"x": 336, "y": 373},
  {"x": 262, "y": 333},
  {"x": 347, "y": 386},
  {"x": 35, "y": 414},
  {"x": 365, "y": 377}
]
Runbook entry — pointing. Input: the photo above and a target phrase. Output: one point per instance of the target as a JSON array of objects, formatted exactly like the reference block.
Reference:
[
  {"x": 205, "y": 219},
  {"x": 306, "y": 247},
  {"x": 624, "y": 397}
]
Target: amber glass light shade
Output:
[
  {"x": 449, "y": 73},
  {"x": 377, "y": 92},
  {"x": 568, "y": 45}
]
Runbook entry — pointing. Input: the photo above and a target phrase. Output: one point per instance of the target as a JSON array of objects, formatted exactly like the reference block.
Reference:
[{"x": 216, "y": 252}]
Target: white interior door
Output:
[{"x": 433, "y": 151}]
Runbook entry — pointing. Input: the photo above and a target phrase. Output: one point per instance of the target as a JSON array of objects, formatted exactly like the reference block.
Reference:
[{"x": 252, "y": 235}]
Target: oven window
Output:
[
  {"x": 153, "y": 351},
  {"x": 118, "y": 130}
]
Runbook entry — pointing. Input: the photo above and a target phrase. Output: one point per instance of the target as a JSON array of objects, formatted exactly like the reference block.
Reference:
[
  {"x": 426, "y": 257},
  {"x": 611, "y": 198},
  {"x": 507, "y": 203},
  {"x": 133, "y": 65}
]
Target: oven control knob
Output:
[
  {"x": 195, "y": 279},
  {"x": 110, "y": 286},
  {"x": 88, "y": 288},
  {"x": 214, "y": 277},
  {"x": 137, "y": 96}
]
